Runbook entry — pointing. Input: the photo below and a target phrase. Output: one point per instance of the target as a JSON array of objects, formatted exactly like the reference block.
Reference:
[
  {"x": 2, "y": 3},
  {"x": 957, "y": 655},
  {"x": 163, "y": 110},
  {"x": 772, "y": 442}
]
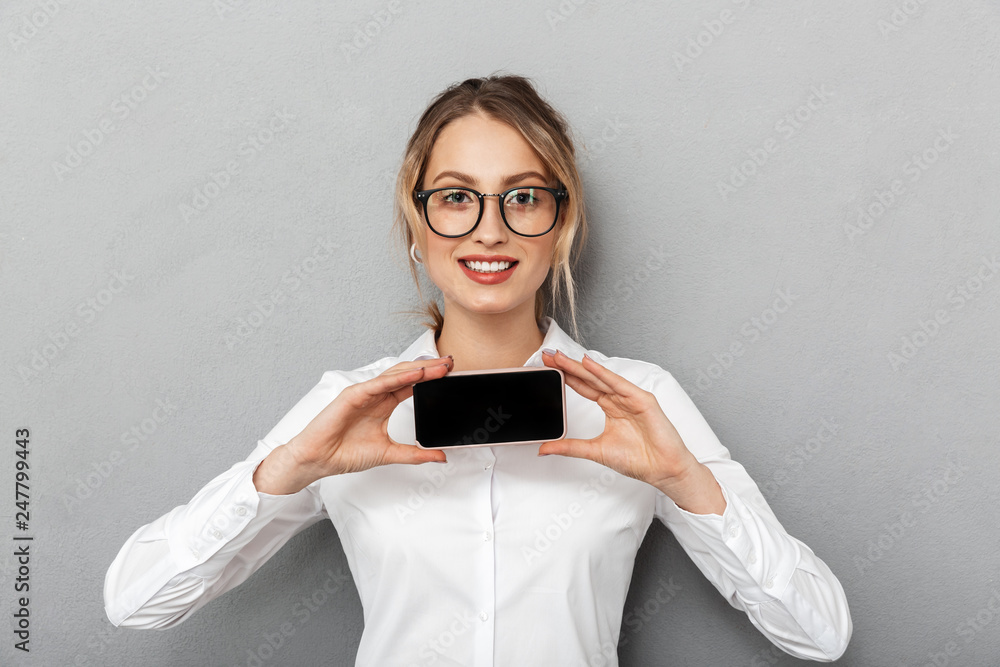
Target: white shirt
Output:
[{"x": 497, "y": 557}]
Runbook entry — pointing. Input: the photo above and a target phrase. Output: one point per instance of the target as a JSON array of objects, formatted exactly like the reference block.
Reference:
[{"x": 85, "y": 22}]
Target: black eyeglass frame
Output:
[{"x": 559, "y": 194}]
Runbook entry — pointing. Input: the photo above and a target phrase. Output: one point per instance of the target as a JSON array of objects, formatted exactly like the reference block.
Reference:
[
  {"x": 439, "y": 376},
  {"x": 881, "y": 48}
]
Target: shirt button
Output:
[
  {"x": 753, "y": 559},
  {"x": 734, "y": 531},
  {"x": 487, "y": 535},
  {"x": 216, "y": 534},
  {"x": 194, "y": 552},
  {"x": 769, "y": 583},
  {"x": 241, "y": 510},
  {"x": 483, "y": 616}
]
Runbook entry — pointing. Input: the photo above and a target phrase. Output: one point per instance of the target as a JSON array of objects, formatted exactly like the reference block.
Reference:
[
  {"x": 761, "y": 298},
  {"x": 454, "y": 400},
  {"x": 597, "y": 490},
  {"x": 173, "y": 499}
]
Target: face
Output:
[{"x": 483, "y": 154}]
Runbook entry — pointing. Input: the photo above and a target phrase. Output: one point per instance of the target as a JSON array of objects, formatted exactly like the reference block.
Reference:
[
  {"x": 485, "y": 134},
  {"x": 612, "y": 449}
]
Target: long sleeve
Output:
[
  {"x": 170, "y": 568},
  {"x": 788, "y": 593}
]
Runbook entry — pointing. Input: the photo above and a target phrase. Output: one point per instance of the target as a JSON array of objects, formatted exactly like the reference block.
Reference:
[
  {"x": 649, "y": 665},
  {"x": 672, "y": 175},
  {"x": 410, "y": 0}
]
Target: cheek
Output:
[
  {"x": 438, "y": 263},
  {"x": 541, "y": 264}
]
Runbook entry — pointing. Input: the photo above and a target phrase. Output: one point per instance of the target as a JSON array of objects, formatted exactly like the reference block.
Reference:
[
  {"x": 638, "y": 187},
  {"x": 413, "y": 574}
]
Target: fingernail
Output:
[{"x": 548, "y": 350}]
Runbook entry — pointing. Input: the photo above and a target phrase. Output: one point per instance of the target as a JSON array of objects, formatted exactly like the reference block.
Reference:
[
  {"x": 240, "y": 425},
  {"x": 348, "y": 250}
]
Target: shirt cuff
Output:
[{"x": 757, "y": 555}]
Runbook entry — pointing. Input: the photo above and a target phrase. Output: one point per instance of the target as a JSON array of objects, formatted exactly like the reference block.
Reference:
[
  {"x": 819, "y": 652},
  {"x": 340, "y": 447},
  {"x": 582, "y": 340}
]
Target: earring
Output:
[{"x": 413, "y": 250}]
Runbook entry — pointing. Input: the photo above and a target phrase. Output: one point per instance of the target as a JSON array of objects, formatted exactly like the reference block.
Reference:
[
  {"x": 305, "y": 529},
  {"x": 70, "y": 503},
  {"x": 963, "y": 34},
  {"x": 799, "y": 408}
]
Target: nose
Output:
[{"x": 491, "y": 228}]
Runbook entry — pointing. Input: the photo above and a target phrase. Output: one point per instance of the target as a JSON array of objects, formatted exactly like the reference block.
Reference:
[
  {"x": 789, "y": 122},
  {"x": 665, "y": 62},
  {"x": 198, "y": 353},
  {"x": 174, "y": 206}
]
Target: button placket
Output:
[{"x": 486, "y": 597}]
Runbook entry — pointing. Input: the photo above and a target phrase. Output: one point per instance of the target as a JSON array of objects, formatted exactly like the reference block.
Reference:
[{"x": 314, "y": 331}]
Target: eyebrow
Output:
[{"x": 505, "y": 183}]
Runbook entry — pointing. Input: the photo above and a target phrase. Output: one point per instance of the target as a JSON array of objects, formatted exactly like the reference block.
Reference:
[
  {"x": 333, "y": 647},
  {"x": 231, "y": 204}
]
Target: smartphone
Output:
[{"x": 503, "y": 406}]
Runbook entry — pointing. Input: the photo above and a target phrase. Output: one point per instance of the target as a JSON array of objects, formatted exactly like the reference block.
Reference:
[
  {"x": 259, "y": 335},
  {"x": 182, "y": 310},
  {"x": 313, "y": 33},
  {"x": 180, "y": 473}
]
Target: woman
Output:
[{"x": 498, "y": 556}]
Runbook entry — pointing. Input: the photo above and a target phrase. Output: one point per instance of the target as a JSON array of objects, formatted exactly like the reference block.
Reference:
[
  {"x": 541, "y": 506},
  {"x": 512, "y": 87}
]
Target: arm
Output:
[
  {"x": 170, "y": 568},
  {"x": 788, "y": 593}
]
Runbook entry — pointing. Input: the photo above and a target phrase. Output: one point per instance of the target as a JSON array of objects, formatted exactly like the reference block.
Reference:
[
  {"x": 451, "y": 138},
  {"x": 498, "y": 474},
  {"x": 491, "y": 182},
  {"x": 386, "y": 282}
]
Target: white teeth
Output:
[{"x": 488, "y": 267}]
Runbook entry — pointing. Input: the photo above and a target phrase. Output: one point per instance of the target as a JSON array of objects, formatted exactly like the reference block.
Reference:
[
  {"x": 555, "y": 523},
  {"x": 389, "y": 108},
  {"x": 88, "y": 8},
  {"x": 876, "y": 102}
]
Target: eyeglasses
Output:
[{"x": 527, "y": 211}]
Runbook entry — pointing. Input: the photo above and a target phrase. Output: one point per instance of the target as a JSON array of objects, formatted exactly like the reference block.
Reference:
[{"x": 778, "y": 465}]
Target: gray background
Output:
[{"x": 913, "y": 541}]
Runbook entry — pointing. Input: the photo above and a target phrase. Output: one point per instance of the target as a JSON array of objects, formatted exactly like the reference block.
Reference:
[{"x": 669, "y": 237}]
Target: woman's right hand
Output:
[{"x": 351, "y": 433}]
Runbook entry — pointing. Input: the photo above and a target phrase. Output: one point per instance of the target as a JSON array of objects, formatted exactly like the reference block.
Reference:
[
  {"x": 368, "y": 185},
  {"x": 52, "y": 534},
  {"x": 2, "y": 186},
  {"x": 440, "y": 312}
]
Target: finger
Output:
[
  {"x": 616, "y": 383},
  {"x": 411, "y": 454},
  {"x": 581, "y": 387},
  {"x": 434, "y": 371},
  {"x": 389, "y": 383},
  {"x": 423, "y": 363},
  {"x": 579, "y": 370},
  {"x": 431, "y": 372},
  {"x": 573, "y": 447},
  {"x": 572, "y": 381}
]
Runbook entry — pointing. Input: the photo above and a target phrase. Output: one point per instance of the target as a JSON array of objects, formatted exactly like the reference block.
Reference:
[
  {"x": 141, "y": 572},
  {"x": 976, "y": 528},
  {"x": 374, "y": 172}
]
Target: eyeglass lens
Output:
[{"x": 527, "y": 210}]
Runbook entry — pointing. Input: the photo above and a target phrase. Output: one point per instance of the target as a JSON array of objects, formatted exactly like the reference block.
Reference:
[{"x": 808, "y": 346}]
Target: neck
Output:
[{"x": 486, "y": 341}]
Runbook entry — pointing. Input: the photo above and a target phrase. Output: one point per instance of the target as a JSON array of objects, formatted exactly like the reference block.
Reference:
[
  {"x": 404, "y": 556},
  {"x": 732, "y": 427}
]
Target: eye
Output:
[
  {"x": 453, "y": 196},
  {"x": 523, "y": 197}
]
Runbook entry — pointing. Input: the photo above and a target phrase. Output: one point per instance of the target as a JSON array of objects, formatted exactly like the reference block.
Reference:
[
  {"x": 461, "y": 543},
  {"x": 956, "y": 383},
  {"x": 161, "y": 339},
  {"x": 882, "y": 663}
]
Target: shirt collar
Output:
[{"x": 425, "y": 347}]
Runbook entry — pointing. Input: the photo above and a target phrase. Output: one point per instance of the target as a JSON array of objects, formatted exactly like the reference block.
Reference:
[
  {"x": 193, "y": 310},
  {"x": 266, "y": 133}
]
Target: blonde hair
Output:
[{"x": 512, "y": 100}]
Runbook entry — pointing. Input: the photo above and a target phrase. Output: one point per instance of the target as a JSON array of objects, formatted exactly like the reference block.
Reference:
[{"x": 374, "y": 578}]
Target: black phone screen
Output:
[{"x": 489, "y": 408}]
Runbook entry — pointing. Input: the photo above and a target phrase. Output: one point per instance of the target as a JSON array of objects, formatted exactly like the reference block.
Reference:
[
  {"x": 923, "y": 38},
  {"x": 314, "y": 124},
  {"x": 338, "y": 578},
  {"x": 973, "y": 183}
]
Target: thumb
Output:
[
  {"x": 404, "y": 453},
  {"x": 575, "y": 447}
]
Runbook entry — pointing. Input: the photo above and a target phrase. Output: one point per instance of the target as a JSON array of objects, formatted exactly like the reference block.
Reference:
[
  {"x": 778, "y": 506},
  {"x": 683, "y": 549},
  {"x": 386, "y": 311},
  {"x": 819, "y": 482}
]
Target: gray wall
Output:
[{"x": 901, "y": 503}]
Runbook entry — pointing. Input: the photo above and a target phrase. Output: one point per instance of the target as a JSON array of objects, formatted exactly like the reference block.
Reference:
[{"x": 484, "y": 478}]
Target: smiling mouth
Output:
[{"x": 488, "y": 267}]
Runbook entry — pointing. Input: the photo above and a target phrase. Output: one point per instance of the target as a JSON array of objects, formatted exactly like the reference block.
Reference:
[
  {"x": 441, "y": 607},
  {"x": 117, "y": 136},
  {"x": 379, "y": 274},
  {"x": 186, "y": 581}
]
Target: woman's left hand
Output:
[{"x": 638, "y": 439}]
